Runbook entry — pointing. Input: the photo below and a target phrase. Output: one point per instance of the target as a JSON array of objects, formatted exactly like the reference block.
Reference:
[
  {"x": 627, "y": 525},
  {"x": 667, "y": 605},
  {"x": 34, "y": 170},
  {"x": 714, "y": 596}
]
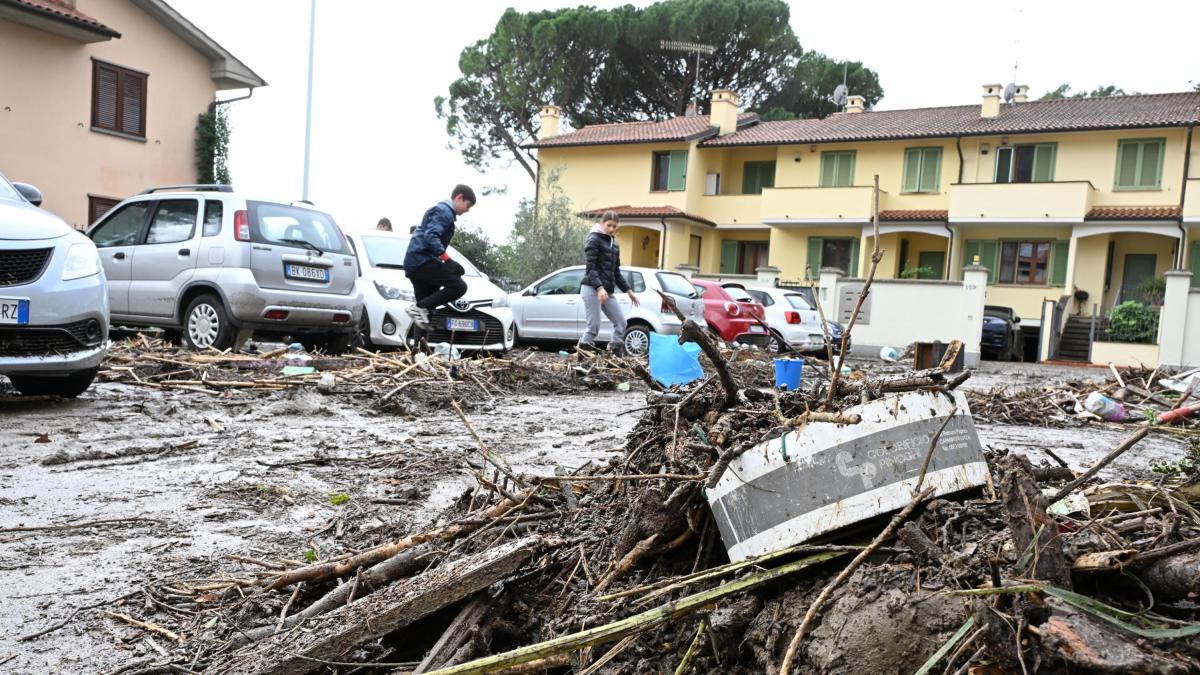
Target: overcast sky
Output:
[{"x": 378, "y": 148}]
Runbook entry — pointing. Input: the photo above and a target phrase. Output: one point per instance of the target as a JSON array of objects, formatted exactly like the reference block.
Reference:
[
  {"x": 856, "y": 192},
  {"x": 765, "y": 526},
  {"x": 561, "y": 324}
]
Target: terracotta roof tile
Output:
[
  {"x": 1134, "y": 213},
  {"x": 914, "y": 215},
  {"x": 674, "y": 129},
  {"x": 64, "y": 11},
  {"x": 1112, "y": 112},
  {"x": 626, "y": 211}
]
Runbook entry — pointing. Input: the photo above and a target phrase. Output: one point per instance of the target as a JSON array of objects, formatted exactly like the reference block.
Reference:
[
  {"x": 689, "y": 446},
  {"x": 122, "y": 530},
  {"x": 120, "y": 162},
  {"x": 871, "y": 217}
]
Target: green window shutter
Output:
[
  {"x": 1043, "y": 162},
  {"x": 1058, "y": 263},
  {"x": 729, "y": 257},
  {"x": 677, "y": 178},
  {"x": 814, "y": 256},
  {"x": 828, "y": 169},
  {"x": 1195, "y": 266},
  {"x": 853, "y": 271},
  {"x": 1127, "y": 160},
  {"x": 766, "y": 175},
  {"x": 989, "y": 256},
  {"x": 912, "y": 170},
  {"x": 1150, "y": 172},
  {"x": 970, "y": 250},
  {"x": 1139, "y": 163},
  {"x": 931, "y": 170},
  {"x": 845, "y": 169},
  {"x": 750, "y": 184}
]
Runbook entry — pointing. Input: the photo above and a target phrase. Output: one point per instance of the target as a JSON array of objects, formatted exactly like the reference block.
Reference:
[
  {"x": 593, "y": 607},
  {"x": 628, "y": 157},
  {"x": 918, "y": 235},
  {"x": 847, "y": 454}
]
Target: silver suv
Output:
[
  {"x": 53, "y": 308},
  {"x": 211, "y": 266}
]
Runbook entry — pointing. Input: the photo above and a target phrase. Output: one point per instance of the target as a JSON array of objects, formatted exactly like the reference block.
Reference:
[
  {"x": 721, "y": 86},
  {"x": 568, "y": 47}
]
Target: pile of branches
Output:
[{"x": 384, "y": 377}]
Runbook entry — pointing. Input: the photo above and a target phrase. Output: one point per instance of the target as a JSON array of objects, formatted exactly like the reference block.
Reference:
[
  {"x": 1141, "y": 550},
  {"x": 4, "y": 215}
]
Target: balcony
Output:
[
  {"x": 1067, "y": 201},
  {"x": 1191, "y": 202},
  {"x": 731, "y": 209},
  {"x": 817, "y": 205}
]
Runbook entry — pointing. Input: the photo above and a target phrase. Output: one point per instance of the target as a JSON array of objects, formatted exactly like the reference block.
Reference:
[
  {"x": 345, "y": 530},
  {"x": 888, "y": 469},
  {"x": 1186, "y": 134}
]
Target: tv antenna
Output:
[
  {"x": 841, "y": 92},
  {"x": 691, "y": 48},
  {"x": 1010, "y": 91}
]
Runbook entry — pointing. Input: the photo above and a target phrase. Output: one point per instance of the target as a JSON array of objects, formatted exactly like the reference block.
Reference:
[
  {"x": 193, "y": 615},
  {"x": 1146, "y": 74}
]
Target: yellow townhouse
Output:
[
  {"x": 99, "y": 99},
  {"x": 1083, "y": 198}
]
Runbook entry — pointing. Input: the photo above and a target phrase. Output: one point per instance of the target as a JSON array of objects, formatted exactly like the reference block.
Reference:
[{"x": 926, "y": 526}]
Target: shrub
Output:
[
  {"x": 1131, "y": 321},
  {"x": 922, "y": 272},
  {"x": 1153, "y": 290}
]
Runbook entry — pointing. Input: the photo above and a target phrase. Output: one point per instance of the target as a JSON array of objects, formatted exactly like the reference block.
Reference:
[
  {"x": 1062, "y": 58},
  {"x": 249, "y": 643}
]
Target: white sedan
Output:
[{"x": 481, "y": 319}]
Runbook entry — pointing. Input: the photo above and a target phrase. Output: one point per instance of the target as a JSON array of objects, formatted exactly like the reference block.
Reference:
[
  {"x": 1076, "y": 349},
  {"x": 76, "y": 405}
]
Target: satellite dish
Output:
[
  {"x": 1010, "y": 92},
  {"x": 839, "y": 95}
]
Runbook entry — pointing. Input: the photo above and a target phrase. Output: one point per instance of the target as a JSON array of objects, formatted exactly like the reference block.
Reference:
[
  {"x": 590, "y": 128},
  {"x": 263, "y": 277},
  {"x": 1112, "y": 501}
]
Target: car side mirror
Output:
[
  {"x": 528, "y": 292},
  {"x": 1016, "y": 319},
  {"x": 30, "y": 193}
]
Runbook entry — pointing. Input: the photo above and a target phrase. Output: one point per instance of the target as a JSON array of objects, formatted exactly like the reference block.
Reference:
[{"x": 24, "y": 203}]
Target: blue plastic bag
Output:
[{"x": 674, "y": 363}]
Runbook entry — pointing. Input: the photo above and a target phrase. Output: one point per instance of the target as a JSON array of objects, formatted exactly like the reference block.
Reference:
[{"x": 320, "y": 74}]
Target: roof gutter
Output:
[
  {"x": 1187, "y": 160},
  {"x": 212, "y": 107}
]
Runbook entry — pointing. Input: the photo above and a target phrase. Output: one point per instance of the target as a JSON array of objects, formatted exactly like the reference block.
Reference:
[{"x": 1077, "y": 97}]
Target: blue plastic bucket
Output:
[{"x": 788, "y": 373}]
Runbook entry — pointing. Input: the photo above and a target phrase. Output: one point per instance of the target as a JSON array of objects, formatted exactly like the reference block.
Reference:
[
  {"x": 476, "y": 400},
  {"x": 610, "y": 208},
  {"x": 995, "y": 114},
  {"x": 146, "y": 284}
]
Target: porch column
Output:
[
  {"x": 974, "y": 292},
  {"x": 1072, "y": 252},
  {"x": 954, "y": 255},
  {"x": 1046, "y": 333},
  {"x": 1172, "y": 321}
]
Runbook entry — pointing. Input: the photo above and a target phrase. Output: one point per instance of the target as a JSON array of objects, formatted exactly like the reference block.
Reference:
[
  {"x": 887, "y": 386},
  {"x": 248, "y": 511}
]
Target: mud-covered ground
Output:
[{"x": 181, "y": 479}]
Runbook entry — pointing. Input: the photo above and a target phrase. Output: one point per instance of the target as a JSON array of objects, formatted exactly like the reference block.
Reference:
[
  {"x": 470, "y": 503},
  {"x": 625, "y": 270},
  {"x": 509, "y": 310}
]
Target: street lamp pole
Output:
[{"x": 312, "y": 32}]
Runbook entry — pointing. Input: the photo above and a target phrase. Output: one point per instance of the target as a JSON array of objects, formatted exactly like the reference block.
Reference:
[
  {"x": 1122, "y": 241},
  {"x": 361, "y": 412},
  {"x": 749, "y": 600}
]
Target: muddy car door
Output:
[
  {"x": 299, "y": 249},
  {"x": 115, "y": 237},
  {"x": 164, "y": 258}
]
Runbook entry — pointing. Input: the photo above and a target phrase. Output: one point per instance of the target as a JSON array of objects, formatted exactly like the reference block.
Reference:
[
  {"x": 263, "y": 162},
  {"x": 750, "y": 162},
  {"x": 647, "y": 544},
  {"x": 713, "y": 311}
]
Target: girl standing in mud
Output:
[{"x": 602, "y": 277}]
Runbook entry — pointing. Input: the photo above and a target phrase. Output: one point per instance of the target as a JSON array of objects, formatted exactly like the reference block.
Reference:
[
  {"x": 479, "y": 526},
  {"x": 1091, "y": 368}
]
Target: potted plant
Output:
[{"x": 1081, "y": 298}]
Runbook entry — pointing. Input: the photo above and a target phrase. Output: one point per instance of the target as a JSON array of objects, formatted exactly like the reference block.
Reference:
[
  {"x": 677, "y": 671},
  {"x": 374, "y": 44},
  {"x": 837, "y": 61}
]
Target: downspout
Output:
[
  {"x": 662, "y": 243},
  {"x": 1187, "y": 160},
  {"x": 950, "y": 245},
  {"x": 537, "y": 186},
  {"x": 958, "y": 146},
  {"x": 212, "y": 107}
]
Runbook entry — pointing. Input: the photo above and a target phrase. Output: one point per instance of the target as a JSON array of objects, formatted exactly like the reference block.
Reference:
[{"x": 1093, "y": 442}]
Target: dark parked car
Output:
[{"x": 1001, "y": 337}]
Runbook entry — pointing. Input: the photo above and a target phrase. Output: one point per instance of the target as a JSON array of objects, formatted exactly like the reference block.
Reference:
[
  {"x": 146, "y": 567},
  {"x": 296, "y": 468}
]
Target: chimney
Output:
[
  {"x": 855, "y": 104},
  {"x": 1022, "y": 94},
  {"x": 991, "y": 100},
  {"x": 724, "y": 111},
  {"x": 550, "y": 116}
]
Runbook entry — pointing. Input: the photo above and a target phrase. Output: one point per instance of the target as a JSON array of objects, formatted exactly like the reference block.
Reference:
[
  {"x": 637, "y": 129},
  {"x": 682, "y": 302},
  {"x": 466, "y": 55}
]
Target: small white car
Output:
[
  {"x": 551, "y": 308},
  {"x": 795, "y": 324},
  {"x": 480, "y": 319}
]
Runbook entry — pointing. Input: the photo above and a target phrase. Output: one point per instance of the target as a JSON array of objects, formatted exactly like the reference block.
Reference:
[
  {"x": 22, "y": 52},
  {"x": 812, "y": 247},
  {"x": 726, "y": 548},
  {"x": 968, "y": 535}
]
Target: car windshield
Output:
[
  {"x": 676, "y": 284},
  {"x": 797, "y": 301},
  {"x": 7, "y": 191},
  {"x": 294, "y": 226},
  {"x": 388, "y": 252},
  {"x": 738, "y": 293}
]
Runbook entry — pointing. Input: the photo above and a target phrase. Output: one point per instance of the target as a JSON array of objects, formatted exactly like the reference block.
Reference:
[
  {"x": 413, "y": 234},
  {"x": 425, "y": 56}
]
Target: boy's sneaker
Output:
[{"x": 418, "y": 315}]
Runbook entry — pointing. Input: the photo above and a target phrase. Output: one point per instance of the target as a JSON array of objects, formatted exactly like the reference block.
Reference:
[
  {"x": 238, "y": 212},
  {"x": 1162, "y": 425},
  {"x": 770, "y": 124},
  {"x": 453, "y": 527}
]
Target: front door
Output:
[
  {"x": 1138, "y": 268},
  {"x": 163, "y": 262}
]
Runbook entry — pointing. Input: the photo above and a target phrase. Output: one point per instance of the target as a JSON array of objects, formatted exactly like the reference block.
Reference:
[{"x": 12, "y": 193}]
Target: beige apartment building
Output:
[{"x": 99, "y": 99}]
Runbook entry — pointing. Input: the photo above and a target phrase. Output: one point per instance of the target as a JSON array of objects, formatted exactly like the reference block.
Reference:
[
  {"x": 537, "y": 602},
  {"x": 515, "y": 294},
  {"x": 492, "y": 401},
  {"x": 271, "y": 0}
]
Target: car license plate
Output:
[
  {"x": 462, "y": 324},
  {"x": 14, "y": 311},
  {"x": 755, "y": 328},
  {"x": 307, "y": 273}
]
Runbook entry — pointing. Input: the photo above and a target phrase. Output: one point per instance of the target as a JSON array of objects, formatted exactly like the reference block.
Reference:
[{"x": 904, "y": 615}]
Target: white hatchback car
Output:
[
  {"x": 480, "y": 319},
  {"x": 794, "y": 324},
  {"x": 551, "y": 308}
]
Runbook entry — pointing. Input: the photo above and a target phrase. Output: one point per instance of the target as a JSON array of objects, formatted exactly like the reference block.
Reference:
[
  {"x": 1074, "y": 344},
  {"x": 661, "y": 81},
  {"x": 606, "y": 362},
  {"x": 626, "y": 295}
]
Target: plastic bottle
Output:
[
  {"x": 296, "y": 356},
  {"x": 889, "y": 354},
  {"x": 444, "y": 350},
  {"x": 1104, "y": 407}
]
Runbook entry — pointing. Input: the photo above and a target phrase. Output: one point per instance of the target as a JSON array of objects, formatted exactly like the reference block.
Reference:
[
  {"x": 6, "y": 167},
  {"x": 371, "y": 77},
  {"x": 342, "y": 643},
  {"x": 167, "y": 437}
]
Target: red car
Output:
[{"x": 733, "y": 313}]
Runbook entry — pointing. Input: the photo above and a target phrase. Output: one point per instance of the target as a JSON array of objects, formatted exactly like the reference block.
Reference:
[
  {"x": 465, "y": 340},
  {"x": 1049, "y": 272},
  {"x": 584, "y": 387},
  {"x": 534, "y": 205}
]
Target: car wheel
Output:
[
  {"x": 637, "y": 340},
  {"x": 776, "y": 344},
  {"x": 206, "y": 324},
  {"x": 41, "y": 385},
  {"x": 172, "y": 335},
  {"x": 512, "y": 336},
  {"x": 362, "y": 337},
  {"x": 337, "y": 344}
]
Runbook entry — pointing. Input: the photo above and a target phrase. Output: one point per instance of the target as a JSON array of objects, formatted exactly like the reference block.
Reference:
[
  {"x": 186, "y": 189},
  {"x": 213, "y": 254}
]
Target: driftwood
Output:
[
  {"x": 1092, "y": 646},
  {"x": 330, "y": 637},
  {"x": 1035, "y": 534},
  {"x": 456, "y": 635},
  {"x": 1174, "y": 577}
]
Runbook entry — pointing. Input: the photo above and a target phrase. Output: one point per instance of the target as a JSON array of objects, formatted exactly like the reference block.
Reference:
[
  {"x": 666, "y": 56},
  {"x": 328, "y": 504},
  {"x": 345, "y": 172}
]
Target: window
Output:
[
  {"x": 797, "y": 301},
  {"x": 294, "y": 226},
  {"x": 1041, "y": 263},
  {"x": 756, "y": 176},
  {"x": 743, "y": 257},
  {"x": 213, "y": 214},
  {"x": 98, "y": 206},
  {"x": 1139, "y": 164},
  {"x": 122, "y": 227},
  {"x": 563, "y": 283},
  {"x": 387, "y": 252},
  {"x": 635, "y": 281},
  {"x": 922, "y": 170},
  {"x": 694, "y": 243},
  {"x": 738, "y": 293},
  {"x": 676, "y": 284},
  {"x": 669, "y": 171},
  {"x": 840, "y": 253},
  {"x": 763, "y": 297},
  {"x": 118, "y": 99},
  {"x": 837, "y": 168},
  {"x": 174, "y": 221},
  {"x": 1026, "y": 163}
]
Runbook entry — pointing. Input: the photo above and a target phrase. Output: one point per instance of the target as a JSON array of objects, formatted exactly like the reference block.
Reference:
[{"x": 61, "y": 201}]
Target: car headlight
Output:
[
  {"x": 82, "y": 261},
  {"x": 500, "y": 301},
  {"x": 394, "y": 293}
]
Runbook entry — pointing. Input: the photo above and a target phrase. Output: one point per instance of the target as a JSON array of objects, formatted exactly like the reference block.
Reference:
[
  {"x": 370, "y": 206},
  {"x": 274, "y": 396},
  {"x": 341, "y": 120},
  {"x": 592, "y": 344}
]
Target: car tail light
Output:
[
  {"x": 241, "y": 225},
  {"x": 341, "y": 317},
  {"x": 732, "y": 309},
  {"x": 792, "y": 317},
  {"x": 275, "y": 314}
]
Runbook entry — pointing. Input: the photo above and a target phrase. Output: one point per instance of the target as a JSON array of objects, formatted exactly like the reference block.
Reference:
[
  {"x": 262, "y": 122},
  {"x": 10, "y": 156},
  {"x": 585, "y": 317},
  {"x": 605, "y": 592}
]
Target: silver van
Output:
[{"x": 204, "y": 263}]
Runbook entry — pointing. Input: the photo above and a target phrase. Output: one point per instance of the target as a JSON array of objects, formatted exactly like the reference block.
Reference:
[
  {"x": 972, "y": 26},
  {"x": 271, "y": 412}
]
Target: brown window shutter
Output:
[
  {"x": 98, "y": 206},
  {"x": 104, "y": 97},
  {"x": 133, "y": 104}
]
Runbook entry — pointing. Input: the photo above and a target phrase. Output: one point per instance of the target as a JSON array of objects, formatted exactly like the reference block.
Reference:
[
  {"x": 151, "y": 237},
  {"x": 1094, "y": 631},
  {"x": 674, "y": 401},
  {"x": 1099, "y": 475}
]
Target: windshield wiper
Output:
[
  {"x": 390, "y": 266},
  {"x": 304, "y": 244}
]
